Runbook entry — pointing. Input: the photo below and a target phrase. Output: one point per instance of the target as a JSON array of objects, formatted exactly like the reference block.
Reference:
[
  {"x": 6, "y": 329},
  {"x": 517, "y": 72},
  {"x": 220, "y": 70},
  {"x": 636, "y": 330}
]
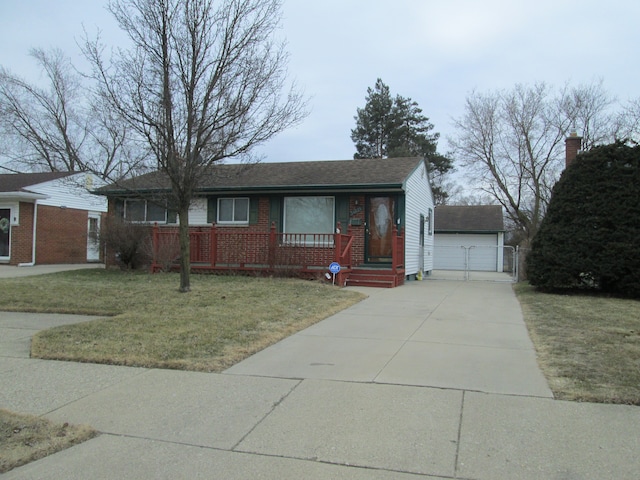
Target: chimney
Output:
[{"x": 573, "y": 145}]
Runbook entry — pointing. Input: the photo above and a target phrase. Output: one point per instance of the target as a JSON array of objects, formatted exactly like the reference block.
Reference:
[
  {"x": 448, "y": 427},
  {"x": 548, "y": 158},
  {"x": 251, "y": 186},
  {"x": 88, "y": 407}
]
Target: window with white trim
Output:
[
  {"x": 233, "y": 211},
  {"x": 310, "y": 215},
  {"x": 144, "y": 211}
]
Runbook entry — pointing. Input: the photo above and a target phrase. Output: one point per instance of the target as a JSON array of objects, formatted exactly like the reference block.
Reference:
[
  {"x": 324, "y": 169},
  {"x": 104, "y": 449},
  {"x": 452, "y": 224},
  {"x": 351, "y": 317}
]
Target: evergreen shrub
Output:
[{"x": 590, "y": 236}]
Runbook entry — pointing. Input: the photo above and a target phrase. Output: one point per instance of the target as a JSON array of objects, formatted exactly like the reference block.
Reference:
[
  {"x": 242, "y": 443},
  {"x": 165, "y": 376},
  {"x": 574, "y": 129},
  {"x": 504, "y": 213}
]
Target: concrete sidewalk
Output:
[{"x": 421, "y": 381}]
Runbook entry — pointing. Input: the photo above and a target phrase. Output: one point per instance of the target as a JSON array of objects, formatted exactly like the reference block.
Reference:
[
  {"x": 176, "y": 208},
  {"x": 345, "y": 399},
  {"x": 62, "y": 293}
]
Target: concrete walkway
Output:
[
  {"x": 12, "y": 271},
  {"x": 436, "y": 379}
]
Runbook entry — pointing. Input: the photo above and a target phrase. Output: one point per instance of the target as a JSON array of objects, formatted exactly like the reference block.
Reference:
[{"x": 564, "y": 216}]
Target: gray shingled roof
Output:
[
  {"x": 382, "y": 173},
  {"x": 16, "y": 182},
  {"x": 468, "y": 218}
]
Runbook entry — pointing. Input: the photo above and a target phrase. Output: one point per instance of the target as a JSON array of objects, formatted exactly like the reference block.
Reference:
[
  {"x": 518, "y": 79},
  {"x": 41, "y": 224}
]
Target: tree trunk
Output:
[{"x": 185, "y": 250}]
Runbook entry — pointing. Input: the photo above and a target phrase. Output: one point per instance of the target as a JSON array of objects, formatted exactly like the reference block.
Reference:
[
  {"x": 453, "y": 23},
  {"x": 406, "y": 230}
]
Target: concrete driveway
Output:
[{"x": 460, "y": 335}]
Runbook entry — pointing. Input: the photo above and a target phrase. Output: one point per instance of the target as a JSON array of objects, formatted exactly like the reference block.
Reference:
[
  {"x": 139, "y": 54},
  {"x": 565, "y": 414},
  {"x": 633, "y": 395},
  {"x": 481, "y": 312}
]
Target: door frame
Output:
[
  {"x": 7, "y": 258},
  {"x": 93, "y": 239}
]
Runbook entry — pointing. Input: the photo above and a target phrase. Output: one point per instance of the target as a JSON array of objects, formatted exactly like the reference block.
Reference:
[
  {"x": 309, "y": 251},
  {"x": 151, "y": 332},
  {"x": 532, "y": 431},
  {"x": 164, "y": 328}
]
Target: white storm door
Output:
[{"x": 93, "y": 238}]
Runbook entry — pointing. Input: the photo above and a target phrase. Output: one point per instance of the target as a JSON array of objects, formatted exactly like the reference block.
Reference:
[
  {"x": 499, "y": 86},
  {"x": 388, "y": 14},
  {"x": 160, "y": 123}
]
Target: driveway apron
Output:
[{"x": 446, "y": 334}]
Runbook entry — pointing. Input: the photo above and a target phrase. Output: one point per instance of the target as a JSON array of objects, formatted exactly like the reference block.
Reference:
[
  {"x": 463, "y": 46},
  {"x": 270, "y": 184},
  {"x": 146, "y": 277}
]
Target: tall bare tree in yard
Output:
[
  {"x": 54, "y": 125},
  {"x": 511, "y": 143},
  {"x": 203, "y": 82}
]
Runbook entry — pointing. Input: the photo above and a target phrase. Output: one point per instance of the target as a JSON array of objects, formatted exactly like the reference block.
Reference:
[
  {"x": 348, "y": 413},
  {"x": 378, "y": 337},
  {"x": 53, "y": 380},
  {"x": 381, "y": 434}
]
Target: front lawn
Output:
[
  {"x": 588, "y": 346},
  {"x": 221, "y": 321}
]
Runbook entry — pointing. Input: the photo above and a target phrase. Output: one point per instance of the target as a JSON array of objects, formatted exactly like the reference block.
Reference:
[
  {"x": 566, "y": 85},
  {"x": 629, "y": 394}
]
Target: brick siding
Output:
[
  {"x": 22, "y": 236},
  {"x": 61, "y": 235}
]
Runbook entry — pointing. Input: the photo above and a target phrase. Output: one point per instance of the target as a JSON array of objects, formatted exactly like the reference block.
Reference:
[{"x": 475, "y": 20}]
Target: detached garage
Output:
[{"x": 469, "y": 238}]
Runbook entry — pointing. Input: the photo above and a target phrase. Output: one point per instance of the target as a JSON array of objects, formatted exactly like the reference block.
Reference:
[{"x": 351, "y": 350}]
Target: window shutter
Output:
[
  {"x": 212, "y": 209},
  {"x": 342, "y": 212},
  {"x": 254, "y": 204},
  {"x": 275, "y": 210},
  {"x": 172, "y": 216}
]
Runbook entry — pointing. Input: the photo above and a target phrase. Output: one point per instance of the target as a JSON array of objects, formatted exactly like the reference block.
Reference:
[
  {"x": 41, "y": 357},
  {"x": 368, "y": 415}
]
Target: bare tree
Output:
[
  {"x": 511, "y": 143},
  {"x": 200, "y": 84},
  {"x": 55, "y": 127},
  {"x": 628, "y": 122}
]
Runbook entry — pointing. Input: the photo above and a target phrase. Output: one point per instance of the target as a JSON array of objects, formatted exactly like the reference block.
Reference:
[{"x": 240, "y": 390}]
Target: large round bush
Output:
[{"x": 590, "y": 236}]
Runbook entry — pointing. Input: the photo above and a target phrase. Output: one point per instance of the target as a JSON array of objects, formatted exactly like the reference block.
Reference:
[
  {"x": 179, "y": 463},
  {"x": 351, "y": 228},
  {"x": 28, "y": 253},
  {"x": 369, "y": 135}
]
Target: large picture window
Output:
[
  {"x": 309, "y": 215},
  {"x": 144, "y": 211},
  {"x": 233, "y": 211}
]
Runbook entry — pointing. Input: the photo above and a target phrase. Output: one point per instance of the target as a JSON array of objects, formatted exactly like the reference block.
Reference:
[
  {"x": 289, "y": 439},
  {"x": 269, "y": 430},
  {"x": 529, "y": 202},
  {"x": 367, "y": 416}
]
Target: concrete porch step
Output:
[{"x": 373, "y": 277}]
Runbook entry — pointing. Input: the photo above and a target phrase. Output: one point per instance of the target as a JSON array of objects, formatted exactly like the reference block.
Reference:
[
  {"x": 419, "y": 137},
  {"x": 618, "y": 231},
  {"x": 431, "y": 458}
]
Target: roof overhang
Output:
[
  {"x": 22, "y": 196},
  {"x": 265, "y": 190}
]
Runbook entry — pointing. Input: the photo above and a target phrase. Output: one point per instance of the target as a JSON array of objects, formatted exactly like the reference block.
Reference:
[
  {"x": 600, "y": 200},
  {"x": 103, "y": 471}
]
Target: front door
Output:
[
  {"x": 381, "y": 214},
  {"x": 5, "y": 234}
]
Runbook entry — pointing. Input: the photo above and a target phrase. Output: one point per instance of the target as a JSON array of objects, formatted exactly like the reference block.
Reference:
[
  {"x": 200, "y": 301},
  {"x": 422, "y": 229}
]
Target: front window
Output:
[
  {"x": 144, "y": 211},
  {"x": 310, "y": 215},
  {"x": 233, "y": 211}
]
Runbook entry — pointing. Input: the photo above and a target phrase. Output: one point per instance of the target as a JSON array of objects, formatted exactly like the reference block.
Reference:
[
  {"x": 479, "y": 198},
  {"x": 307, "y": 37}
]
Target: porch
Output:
[{"x": 307, "y": 255}]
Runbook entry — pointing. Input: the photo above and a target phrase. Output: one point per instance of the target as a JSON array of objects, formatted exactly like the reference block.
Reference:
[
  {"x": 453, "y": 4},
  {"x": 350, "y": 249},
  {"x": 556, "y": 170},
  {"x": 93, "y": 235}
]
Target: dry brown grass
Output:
[
  {"x": 25, "y": 438},
  {"x": 588, "y": 347}
]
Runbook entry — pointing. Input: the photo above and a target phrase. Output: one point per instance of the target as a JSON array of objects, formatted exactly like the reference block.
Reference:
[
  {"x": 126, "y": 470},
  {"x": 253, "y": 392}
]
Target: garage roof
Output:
[
  {"x": 19, "y": 182},
  {"x": 468, "y": 219}
]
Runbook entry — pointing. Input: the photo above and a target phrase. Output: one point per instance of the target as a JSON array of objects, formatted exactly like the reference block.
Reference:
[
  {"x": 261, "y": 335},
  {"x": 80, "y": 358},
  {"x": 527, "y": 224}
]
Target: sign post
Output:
[{"x": 334, "y": 268}]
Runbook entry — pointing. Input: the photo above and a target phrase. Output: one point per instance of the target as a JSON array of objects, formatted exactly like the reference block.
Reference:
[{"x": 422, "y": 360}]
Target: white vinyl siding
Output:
[
  {"x": 198, "y": 212},
  {"x": 418, "y": 201},
  {"x": 72, "y": 192}
]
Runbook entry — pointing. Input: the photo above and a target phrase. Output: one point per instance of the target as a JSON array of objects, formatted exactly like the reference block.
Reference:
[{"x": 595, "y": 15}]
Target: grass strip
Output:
[
  {"x": 588, "y": 346},
  {"x": 25, "y": 438}
]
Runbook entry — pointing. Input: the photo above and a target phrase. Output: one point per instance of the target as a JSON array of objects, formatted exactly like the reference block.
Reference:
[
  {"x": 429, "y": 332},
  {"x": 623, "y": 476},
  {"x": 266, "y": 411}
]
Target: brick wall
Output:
[
  {"x": 22, "y": 236},
  {"x": 233, "y": 243},
  {"x": 358, "y": 231},
  {"x": 61, "y": 235}
]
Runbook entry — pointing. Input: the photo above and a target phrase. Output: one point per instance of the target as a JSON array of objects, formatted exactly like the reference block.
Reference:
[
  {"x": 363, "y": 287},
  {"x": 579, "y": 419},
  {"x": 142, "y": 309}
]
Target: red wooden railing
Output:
[
  {"x": 397, "y": 250},
  {"x": 235, "y": 249}
]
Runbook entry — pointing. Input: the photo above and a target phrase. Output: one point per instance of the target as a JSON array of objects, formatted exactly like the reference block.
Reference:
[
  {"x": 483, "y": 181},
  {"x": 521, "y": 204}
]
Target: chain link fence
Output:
[{"x": 478, "y": 262}]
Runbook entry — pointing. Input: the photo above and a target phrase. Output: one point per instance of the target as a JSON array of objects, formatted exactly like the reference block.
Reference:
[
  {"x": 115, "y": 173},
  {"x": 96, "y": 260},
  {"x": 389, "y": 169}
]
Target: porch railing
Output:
[
  {"x": 233, "y": 249},
  {"x": 397, "y": 250}
]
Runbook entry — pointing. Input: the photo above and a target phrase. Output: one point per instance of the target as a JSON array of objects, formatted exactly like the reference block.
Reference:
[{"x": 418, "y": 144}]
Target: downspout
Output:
[{"x": 33, "y": 245}]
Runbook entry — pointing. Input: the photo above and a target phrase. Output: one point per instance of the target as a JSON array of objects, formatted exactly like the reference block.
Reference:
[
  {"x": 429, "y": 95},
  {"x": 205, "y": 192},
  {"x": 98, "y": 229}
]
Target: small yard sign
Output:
[{"x": 334, "y": 268}]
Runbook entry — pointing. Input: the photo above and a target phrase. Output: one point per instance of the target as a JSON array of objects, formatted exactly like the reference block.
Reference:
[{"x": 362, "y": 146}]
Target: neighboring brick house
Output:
[
  {"x": 299, "y": 206},
  {"x": 49, "y": 218}
]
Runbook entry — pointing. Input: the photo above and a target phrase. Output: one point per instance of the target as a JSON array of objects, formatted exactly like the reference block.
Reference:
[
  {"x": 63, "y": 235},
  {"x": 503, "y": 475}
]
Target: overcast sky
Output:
[{"x": 434, "y": 52}]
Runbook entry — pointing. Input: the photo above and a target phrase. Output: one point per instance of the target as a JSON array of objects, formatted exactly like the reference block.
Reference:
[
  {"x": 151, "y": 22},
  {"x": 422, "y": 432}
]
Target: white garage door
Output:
[{"x": 452, "y": 252}]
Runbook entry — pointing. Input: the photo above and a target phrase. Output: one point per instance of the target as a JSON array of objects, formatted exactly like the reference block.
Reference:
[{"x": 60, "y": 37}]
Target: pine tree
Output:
[{"x": 390, "y": 127}]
